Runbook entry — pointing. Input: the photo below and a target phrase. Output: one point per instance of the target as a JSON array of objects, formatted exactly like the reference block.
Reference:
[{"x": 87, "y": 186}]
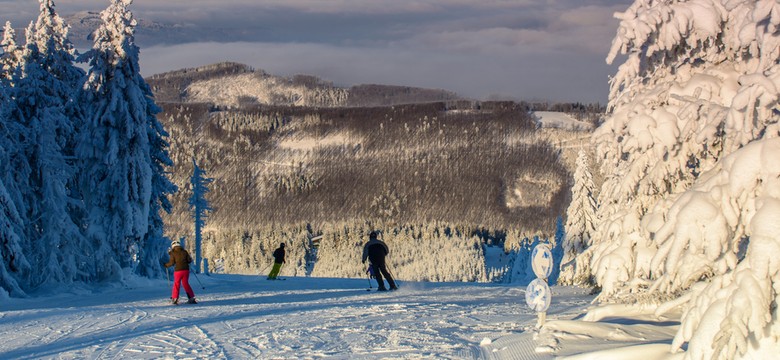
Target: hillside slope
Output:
[
  {"x": 233, "y": 85},
  {"x": 460, "y": 170}
]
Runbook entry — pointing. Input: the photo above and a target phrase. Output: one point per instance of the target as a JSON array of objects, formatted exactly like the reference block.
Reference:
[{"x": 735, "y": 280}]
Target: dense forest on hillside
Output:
[
  {"x": 294, "y": 158},
  {"x": 394, "y": 168},
  {"x": 408, "y": 164}
]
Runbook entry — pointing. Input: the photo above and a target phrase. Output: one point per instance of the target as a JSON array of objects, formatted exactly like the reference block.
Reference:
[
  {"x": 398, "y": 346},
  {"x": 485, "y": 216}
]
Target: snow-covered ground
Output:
[
  {"x": 559, "y": 120},
  {"x": 248, "y": 317}
]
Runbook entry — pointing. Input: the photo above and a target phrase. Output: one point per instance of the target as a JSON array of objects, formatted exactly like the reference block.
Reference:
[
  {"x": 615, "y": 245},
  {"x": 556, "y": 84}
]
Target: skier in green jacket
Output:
[{"x": 278, "y": 261}]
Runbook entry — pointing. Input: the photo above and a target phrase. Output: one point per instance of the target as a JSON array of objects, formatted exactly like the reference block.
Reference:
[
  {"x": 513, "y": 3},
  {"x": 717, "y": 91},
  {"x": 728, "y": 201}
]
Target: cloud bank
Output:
[{"x": 524, "y": 49}]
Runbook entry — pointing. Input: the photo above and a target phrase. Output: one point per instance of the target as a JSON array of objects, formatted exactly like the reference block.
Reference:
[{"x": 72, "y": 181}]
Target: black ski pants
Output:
[{"x": 380, "y": 269}]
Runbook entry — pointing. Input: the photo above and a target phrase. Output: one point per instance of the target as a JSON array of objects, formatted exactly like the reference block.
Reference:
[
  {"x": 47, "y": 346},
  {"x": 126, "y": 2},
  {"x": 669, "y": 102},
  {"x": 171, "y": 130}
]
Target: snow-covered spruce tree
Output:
[
  {"x": 199, "y": 206},
  {"x": 13, "y": 262},
  {"x": 154, "y": 243},
  {"x": 725, "y": 228},
  {"x": 580, "y": 226},
  {"x": 42, "y": 91},
  {"x": 122, "y": 178},
  {"x": 58, "y": 57},
  {"x": 12, "y": 53},
  {"x": 692, "y": 180}
]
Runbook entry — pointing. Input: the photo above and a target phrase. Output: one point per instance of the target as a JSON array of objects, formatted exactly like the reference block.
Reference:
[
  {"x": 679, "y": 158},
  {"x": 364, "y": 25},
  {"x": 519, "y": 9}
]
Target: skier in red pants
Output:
[{"x": 180, "y": 259}]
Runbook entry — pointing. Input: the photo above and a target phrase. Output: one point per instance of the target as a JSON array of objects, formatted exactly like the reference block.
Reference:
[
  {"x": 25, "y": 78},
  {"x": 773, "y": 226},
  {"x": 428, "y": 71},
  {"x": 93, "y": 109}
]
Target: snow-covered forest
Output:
[
  {"x": 83, "y": 157},
  {"x": 98, "y": 192},
  {"x": 681, "y": 215}
]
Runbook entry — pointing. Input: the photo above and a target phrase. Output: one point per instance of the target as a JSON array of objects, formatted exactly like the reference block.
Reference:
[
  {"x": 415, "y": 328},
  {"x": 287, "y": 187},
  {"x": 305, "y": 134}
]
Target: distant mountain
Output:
[
  {"x": 298, "y": 155},
  {"x": 233, "y": 85}
]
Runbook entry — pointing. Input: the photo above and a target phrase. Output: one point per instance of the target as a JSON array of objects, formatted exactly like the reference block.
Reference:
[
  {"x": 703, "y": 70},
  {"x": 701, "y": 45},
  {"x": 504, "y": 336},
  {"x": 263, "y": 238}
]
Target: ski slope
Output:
[{"x": 249, "y": 317}]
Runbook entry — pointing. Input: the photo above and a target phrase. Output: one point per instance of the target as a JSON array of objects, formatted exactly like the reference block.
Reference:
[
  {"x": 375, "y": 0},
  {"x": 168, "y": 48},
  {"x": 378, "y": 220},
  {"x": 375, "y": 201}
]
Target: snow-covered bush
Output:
[{"x": 694, "y": 113}]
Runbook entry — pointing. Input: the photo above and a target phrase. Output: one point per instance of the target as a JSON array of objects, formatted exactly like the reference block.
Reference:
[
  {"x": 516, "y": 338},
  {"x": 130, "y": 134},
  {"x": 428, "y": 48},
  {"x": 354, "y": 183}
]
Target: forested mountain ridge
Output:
[
  {"x": 233, "y": 85},
  {"x": 463, "y": 169}
]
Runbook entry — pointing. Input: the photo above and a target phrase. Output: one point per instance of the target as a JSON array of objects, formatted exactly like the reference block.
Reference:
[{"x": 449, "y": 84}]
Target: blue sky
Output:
[{"x": 525, "y": 49}]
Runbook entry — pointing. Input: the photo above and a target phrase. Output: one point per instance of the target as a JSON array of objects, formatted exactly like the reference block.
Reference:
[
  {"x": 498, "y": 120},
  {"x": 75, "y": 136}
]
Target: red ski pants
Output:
[{"x": 181, "y": 277}]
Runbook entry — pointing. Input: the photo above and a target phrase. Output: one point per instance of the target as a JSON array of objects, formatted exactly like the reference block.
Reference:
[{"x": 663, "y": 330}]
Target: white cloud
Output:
[{"x": 520, "y": 75}]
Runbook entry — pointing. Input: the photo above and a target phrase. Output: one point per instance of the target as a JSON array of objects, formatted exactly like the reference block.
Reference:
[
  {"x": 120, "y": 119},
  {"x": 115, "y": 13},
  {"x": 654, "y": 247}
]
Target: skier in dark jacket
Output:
[
  {"x": 278, "y": 261},
  {"x": 375, "y": 251},
  {"x": 180, "y": 259}
]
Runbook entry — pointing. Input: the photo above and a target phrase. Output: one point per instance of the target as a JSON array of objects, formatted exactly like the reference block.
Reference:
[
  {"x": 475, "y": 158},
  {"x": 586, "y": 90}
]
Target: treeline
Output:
[
  {"x": 418, "y": 252},
  {"x": 592, "y": 113},
  {"x": 386, "y": 95}
]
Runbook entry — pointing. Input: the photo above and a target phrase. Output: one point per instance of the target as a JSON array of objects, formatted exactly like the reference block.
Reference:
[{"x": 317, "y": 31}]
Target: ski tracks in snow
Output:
[{"x": 242, "y": 317}]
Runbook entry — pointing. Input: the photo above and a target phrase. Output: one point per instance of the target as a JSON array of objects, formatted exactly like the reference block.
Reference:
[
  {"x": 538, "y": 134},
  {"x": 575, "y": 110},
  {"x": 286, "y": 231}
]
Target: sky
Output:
[{"x": 551, "y": 50}]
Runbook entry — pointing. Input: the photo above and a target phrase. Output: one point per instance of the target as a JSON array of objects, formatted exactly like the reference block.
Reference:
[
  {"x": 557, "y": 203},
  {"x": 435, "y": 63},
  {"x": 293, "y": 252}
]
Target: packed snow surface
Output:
[
  {"x": 249, "y": 317},
  {"x": 559, "y": 120}
]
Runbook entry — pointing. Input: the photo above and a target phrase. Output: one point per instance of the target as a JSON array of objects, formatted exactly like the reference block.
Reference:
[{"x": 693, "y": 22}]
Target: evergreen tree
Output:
[
  {"x": 115, "y": 147},
  {"x": 199, "y": 206},
  {"x": 13, "y": 262},
  {"x": 580, "y": 226},
  {"x": 51, "y": 36},
  {"x": 155, "y": 243},
  {"x": 689, "y": 153},
  {"x": 42, "y": 92},
  {"x": 12, "y": 53}
]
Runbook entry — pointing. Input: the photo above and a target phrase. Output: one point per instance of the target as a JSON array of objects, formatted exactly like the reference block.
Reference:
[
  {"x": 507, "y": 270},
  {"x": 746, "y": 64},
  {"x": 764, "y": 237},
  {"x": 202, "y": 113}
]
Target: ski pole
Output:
[
  {"x": 369, "y": 272},
  {"x": 395, "y": 279},
  {"x": 196, "y": 278}
]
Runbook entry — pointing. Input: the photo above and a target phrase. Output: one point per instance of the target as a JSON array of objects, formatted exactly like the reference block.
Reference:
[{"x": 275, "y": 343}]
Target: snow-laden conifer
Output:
[
  {"x": 13, "y": 261},
  {"x": 580, "y": 225},
  {"x": 199, "y": 206},
  {"x": 122, "y": 180},
  {"x": 40, "y": 98},
  {"x": 58, "y": 57},
  {"x": 12, "y": 53},
  {"x": 690, "y": 187},
  {"x": 155, "y": 243}
]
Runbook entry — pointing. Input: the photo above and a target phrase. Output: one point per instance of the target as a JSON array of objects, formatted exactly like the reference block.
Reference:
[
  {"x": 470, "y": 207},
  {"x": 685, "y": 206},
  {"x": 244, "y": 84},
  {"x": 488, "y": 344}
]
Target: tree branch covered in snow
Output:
[{"x": 686, "y": 155}]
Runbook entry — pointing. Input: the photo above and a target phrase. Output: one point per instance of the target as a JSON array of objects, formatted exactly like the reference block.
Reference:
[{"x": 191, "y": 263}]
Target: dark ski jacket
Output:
[
  {"x": 179, "y": 257},
  {"x": 375, "y": 250},
  {"x": 279, "y": 255}
]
